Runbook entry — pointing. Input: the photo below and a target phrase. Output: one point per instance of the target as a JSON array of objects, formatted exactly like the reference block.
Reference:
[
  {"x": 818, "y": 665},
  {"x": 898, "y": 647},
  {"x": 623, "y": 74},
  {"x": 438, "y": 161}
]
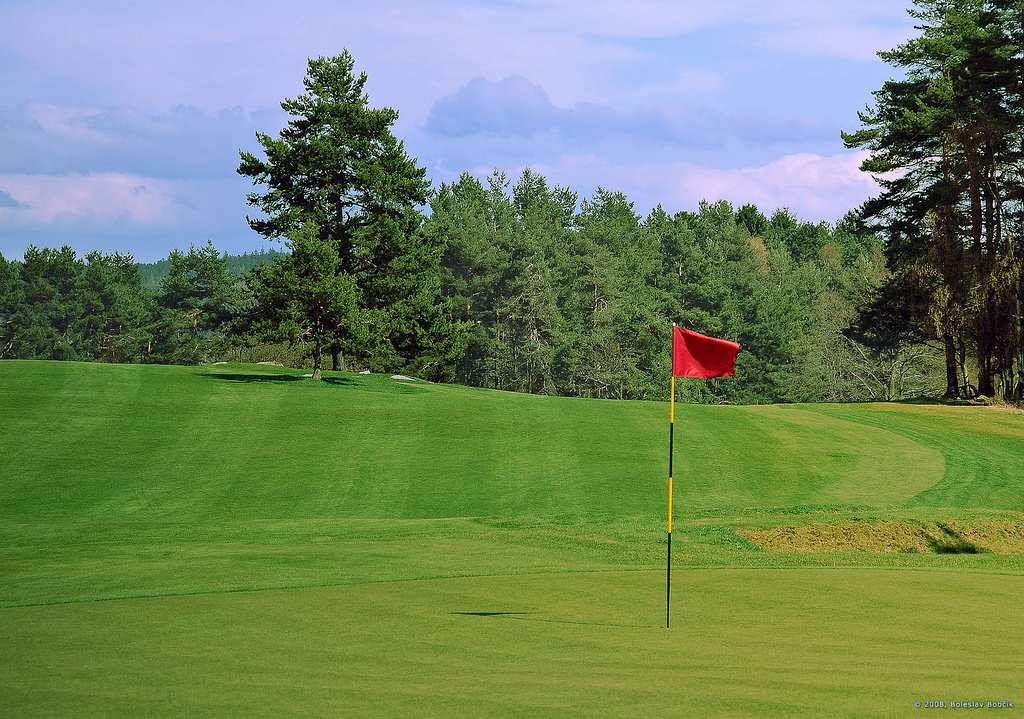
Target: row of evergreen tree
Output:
[
  {"x": 153, "y": 272},
  {"x": 57, "y": 305},
  {"x": 526, "y": 289},
  {"x": 581, "y": 302}
]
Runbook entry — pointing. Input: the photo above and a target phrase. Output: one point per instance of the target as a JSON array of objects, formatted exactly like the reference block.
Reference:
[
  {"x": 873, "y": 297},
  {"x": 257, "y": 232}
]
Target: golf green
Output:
[{"x": 802, "y": 642}]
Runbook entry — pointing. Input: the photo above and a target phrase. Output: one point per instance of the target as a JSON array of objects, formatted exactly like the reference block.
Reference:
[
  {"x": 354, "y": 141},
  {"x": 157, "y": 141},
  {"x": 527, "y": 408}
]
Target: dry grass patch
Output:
[
  {"x": 998, "y": 536},
  {"x": 883, "y": 536}
]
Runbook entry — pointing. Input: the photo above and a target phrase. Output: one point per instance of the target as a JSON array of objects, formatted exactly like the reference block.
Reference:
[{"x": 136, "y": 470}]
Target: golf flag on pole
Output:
[
  {"x": 693, "y": 355},
  {"x": 697, "y": 355}
]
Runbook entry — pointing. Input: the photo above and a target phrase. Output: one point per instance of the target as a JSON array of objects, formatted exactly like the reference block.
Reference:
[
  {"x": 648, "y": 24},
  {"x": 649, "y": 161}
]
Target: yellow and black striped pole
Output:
[{"x": 671, "y": 436}]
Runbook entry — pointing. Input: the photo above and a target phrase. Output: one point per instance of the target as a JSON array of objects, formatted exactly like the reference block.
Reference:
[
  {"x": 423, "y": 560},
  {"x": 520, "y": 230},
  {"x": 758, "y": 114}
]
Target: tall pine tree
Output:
[{"x": 337, "y": 164}]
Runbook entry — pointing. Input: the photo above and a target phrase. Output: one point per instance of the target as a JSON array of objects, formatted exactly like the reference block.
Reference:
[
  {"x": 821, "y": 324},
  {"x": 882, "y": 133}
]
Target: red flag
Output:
[{"x": 696, "y": 355}]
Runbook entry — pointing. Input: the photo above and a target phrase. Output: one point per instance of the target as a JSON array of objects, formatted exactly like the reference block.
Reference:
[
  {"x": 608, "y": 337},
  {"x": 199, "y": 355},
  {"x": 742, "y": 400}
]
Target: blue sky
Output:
[{"x": 120, "y": 123}]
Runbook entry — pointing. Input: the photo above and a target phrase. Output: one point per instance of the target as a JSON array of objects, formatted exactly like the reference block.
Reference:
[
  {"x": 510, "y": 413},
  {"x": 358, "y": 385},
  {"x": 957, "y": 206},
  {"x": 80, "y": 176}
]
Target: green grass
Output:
[{"x": 235, "y": 540}]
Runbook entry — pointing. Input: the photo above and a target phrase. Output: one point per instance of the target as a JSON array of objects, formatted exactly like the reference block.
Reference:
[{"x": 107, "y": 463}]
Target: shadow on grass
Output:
[
  {"x": 377, "y": 384},
  {"x": 939, "y": 401},
  {"x": 952, "y": 543},
  {"x": 274, "y": 378},
  {"x": 526, "y": 617}
]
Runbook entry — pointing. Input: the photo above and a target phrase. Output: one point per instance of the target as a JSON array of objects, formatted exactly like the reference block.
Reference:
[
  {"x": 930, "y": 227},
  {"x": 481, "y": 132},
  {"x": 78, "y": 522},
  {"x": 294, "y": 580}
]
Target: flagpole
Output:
[
  {"x": 671, "y": 437},
  {"x": 713, "y": 357}
]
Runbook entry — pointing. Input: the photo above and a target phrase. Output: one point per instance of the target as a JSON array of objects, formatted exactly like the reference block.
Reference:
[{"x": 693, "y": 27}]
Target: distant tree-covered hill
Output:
[{"x": 153, "y": 272}]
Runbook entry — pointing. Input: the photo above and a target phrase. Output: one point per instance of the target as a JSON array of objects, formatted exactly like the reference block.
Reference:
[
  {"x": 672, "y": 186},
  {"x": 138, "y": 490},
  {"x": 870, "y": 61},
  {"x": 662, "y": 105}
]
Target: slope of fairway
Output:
[
  {"x": 202, "y": 445},
  {"x": 237, "y": 540}
]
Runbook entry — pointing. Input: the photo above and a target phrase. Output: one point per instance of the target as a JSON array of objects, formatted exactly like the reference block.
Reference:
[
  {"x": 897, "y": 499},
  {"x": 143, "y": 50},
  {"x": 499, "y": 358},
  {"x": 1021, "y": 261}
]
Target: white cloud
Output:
[
  {"x": 817, "y": 187},
  {"x": 125, "y": 211},
  {"x": 180, "y": 142},
  {"x": 102, "y": 199},
  {"x": 67, "y": 121},
  {"x": 516, "y": 107}
]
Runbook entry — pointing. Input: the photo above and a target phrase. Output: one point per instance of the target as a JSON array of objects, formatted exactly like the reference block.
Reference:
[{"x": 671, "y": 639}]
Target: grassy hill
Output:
[{"x": 237, "y": 540}]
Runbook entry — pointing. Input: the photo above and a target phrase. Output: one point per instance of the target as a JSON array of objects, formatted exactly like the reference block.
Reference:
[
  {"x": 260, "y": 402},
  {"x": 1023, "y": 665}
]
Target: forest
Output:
[{"x": 520, "y": 284}]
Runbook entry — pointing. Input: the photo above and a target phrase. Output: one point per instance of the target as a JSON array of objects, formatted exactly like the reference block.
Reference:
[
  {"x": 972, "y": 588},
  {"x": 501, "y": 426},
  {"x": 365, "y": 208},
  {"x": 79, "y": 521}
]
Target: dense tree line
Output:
[
  {"x": 56, "y": 305},
  {"x": 238, "y": 265},
  {"x": 947, "y": 139},
  {"x": 532, "y": 291},
  {"x": 580, "y": 302}
]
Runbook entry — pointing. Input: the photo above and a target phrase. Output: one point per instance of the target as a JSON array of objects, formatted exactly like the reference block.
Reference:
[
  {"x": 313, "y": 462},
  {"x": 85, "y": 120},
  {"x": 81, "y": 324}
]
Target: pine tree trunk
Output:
[
  {"x": 993, "y": 309},
  {"x": 336, "y": 363},
  {"x": 952, "y": 381},
  {"x": 984, "y": 325},
  {"x": 317, "y": 356},
  {"x": 952, "y": 259}
]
